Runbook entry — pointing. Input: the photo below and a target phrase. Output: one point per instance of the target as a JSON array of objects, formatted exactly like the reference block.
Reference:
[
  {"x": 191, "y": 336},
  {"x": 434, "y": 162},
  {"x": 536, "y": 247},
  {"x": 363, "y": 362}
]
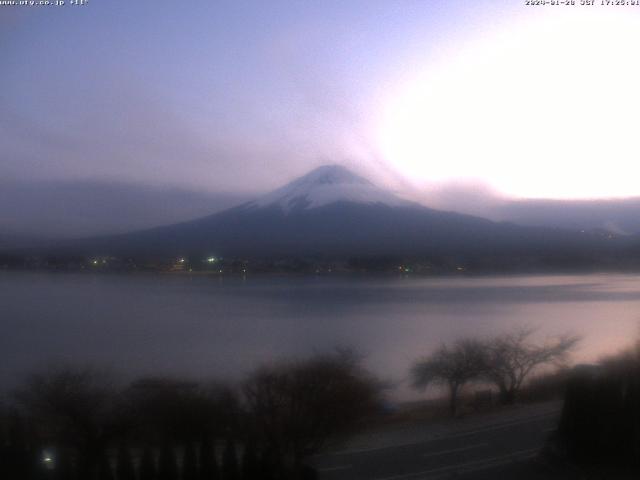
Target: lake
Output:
[{"x": 222, "y": 327}]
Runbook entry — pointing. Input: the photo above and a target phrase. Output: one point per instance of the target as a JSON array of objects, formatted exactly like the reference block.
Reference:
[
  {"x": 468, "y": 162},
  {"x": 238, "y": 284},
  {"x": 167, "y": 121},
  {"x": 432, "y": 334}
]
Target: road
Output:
[{"x": 468, "y": 448}]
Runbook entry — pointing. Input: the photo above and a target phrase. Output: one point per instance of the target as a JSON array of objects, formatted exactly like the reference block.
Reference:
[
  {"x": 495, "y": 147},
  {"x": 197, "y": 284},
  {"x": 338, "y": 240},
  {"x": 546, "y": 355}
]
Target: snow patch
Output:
[{"x": 324, "y": 186}]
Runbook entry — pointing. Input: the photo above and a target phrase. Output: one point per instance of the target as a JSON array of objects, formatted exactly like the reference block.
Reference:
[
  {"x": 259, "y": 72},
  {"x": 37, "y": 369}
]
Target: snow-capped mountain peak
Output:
[{"x": 326, "y": 185}]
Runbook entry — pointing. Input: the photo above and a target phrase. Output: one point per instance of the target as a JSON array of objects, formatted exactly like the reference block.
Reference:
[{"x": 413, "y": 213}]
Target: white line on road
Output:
[
  {"x": 454, "y": 450},
  {"x": 437, "y": 438},
  {"x": 500, "y": 426}
]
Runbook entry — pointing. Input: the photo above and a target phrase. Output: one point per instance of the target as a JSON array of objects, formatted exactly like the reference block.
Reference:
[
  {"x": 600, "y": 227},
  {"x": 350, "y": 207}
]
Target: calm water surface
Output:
[{"x": 223, "y": 327}]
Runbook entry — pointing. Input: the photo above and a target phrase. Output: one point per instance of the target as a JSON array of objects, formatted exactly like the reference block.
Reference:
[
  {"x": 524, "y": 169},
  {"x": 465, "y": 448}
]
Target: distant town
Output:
[{"x": 322, "y": 265}]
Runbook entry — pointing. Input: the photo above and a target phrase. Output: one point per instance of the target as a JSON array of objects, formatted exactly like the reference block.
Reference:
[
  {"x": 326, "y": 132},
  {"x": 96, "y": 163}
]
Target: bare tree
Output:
[
  {"x": 510, "y": 358},
  {"x": 74, "y": 408},
  {"x": 297, "y": 407},
  {"x": 177, "y": 410},
  {"x": 452, "y": 366}
]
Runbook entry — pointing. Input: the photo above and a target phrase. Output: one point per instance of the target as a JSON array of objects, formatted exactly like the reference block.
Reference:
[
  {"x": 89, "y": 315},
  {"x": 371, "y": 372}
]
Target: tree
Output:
[
  {"x": 15, "y": 455},
  {"x": 148, "y": 469},
  {"x": 125, "y": 469},
  {"x": 167, "y": 464},
  {"x": 178, "y": 410},
  {"x": 250, "y": 463},
  {"x": 230, "y": 468},
  {"x": 190, "y": 463},
  {"x": 64, "y": 465},
  {"x": 297, "y": 407},
  {"x": 452, "y": 366},
  {"x": 510, "y": 358},
  {"x": 104, "y": 468},
  {"x": 73, "y": 408},
  {"x": 208, "y": 463},
  {"x": 600, "y": 420}
]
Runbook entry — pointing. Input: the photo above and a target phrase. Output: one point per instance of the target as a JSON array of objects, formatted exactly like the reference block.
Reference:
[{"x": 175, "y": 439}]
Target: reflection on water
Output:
[{"x": 215, "y": 327}]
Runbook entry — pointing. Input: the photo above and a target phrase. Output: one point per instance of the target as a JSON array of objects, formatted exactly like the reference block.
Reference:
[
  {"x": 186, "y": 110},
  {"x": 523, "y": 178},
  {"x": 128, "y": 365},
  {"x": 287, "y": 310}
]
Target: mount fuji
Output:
[
  {"x": 323, "y": 186},
  {"x": 332, "y": 211}
]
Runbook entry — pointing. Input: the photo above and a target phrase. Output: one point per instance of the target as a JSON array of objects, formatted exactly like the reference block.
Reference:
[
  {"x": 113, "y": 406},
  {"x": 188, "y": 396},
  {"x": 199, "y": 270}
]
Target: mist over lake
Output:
[{"x": 223, "y": 327}]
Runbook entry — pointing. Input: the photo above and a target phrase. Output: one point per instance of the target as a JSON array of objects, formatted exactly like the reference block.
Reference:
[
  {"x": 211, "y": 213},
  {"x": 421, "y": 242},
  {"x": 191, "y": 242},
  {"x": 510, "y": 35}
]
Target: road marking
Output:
[
  {"x": 335, "y": 469},
  {"x": 472, "y": 466},
  {"x": 437, "y": 438},
  {"x": 454, "y": 450},
  {"x": 500, "y": 426}
]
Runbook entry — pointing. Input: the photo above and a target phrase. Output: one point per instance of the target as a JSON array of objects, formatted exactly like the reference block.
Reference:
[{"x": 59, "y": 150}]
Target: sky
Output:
[{"x": 433, "y": 99}]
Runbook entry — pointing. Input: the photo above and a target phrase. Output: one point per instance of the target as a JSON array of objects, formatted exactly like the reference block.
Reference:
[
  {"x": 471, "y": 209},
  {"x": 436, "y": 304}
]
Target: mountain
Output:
[
  {"x": 331, "y": 211},
  {"x": 323, "y": 186},
  {"x": 620, "y": 216},
  {"x": 616, "y": 215}
]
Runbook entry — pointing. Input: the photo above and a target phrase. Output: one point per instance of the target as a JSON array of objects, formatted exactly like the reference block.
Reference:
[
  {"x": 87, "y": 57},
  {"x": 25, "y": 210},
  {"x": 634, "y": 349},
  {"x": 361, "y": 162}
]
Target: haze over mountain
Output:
[
  {"x": 621, "y": 216},
  {"x": 332, "y": 211},
  {"x": 34, "y": 212},
  {"x": 72, "y": 209},
  {"x": 617, "y": 215}
]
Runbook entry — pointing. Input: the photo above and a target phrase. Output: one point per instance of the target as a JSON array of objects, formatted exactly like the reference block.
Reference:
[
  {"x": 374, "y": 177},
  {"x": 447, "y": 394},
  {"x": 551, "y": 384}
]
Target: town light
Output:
[{"x": 47, "y": 459}]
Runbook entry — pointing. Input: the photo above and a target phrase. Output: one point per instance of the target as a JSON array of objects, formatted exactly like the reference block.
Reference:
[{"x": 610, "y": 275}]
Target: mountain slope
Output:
[{"x": 332, "y": 211}]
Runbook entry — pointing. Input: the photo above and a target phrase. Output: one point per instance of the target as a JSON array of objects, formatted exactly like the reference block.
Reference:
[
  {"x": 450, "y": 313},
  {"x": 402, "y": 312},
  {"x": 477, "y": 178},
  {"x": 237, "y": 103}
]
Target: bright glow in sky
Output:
[
  {"x": 245, "y": 96},
  {"x": 549, "y": 107}
]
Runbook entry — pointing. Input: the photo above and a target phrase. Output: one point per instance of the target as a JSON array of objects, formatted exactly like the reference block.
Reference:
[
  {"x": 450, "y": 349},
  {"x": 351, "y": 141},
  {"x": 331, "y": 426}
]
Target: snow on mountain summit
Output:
[
  {"x": 326, "y": 185},
  {"x": 329, "y": 174}
]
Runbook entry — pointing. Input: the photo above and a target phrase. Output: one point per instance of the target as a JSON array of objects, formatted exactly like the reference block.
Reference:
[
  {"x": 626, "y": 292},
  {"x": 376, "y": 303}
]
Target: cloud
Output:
[{"x": 83, "y": 208}]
